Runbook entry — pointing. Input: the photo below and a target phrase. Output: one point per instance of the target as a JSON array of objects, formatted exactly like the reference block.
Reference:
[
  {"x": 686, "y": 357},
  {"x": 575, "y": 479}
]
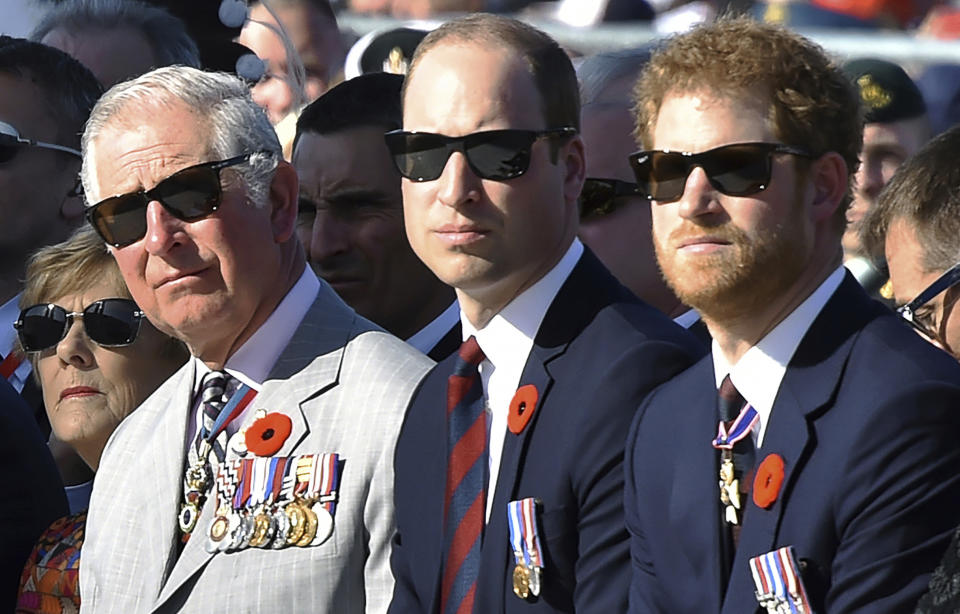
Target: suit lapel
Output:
[
  {"x": 585, "y": 291},
  {"x": 694, "y": 497},
  {"x": 169, "y": 455},
  {"x": 308, "y": 366},
  {"x": 811, "y": 379}
]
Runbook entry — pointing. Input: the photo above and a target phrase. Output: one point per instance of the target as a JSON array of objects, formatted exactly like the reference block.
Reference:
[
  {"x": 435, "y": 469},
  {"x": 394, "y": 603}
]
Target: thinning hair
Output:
[
  {"x": 925, "y": 193},
  {"x": 69, "y": 88},
  {"x": 372, "y": 99},
  {"x": 549, "y": 65},
  {"x": 600, "y": 72},
  {"x": 811, "y": 102},
  {"x": 166, "y": 34},
  {"x": 222, "y": 105}
]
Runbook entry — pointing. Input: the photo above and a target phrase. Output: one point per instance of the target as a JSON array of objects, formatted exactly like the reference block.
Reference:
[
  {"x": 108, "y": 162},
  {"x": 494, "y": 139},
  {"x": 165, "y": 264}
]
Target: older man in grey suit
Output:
[{"x": 259, "y": 477}]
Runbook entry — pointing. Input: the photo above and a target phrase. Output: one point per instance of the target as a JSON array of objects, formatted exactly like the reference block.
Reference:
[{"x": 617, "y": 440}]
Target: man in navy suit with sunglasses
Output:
[
  {"x": 810, "y": 461},
  {"x": 509, "y": 463}
]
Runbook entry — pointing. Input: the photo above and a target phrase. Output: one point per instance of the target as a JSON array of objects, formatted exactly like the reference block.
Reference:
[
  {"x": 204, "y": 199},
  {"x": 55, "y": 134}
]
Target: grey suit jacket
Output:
[{"x": 345, "y": 384}]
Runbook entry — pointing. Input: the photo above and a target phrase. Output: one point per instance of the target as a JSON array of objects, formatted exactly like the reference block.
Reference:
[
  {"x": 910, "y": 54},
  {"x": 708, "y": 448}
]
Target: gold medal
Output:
[
  {"x": 297, "y": 522},
  {"x": 521, "y": 581},
  {"x": 310, "y": 526},
  {"x": 261, "y": 530}
]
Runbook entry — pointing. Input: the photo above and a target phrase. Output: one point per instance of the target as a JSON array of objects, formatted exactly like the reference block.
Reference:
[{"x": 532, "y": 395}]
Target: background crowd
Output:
[{"x": 165, "y": 228}]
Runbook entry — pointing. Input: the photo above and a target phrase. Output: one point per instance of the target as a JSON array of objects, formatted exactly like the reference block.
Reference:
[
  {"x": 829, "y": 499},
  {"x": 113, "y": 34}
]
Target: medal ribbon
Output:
[
  {"x": 233, "y": 408},
  {"x": 776, "y": 577},
  {"x": 330, "y": 481},
  {"x": 741, "y": 427},
  {"x": 515, "y": 518},
  {"x": 524, "y": 537},
  {"x": 278, "y": 471}
]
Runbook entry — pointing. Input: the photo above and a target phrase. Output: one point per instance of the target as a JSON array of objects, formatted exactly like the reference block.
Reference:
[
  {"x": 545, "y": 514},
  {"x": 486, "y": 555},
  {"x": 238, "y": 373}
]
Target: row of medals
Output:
[{"x": 302, "y": 522}]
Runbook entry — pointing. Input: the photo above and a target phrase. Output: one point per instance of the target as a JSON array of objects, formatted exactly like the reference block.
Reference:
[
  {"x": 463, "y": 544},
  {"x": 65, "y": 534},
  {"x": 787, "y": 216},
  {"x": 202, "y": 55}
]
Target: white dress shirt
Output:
[
  {"x": 759, "y": 373},
  {"x": 252, "y": 362},
  {"x": 431, "y": 334},
  {"x": 506, "y": 342},
  {"x": 9, "y": 314}
]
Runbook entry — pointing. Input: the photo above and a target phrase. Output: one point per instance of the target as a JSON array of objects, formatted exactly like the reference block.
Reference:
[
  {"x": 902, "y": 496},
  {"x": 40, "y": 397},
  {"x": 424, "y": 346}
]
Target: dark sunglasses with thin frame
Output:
[
  {"x": 600, "y": 197},
  {"x": 738, "y": 169},
  {"x": 189, "y": 194},
  {"x": 109, "y": 322},
  {"x": 11, "y": 143},
  {"x": 498, "y": 155}
]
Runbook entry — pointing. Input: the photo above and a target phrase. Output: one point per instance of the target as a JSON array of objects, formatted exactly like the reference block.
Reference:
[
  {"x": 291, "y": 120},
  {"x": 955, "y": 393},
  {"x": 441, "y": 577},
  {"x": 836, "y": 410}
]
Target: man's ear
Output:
[
  {"x": 284, "y": 194},
  {"x": 830, "y": 183}
]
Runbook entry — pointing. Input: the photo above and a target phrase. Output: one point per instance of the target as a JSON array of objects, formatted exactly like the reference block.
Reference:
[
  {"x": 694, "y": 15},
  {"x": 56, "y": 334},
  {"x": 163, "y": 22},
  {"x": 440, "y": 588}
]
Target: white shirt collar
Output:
[
  {"x": 520, "y": 320},
  {"x": 759, "y": 373},
  {"x": 431, "y": 334},
  {"x": 252, "y": 362}
]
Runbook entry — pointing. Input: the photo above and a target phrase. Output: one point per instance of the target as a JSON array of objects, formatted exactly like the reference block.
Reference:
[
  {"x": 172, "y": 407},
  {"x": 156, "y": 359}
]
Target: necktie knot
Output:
[
  {"x": 470, "y": 352},
  {"x": 729, "y": 400},
  {"x": 213, "y": 386}
]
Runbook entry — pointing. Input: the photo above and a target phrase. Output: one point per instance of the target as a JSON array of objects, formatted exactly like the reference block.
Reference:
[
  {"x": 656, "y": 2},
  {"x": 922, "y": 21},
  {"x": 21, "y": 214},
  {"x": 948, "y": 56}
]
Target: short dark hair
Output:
[
  {"x": 367, "y": 100},
  {"x": 549, "y": 65},
  {"x": 925, "y": 193},
  {"x": 165, "y": 33},
  {"x": 70, "y": 89}
]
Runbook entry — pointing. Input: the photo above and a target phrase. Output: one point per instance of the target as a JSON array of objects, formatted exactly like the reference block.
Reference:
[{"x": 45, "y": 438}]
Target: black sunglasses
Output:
[
  {"x": 110, "y": 322},
  {"x": 601, "y": 197},
  {"x": 909, "y": 311},
  {"x": 739, "y": 169},
  {"x": 12, "y": 143},
  {"x": 189, "y": 194},
  {"x": 493, "y": 154}
]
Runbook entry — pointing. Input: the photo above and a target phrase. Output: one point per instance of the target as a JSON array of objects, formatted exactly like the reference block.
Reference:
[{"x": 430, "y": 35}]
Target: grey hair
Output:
[
  {"x": 166, "y": 34},
  {"x": 597, "y": 73},
  {"x": 236, "y": 123}
]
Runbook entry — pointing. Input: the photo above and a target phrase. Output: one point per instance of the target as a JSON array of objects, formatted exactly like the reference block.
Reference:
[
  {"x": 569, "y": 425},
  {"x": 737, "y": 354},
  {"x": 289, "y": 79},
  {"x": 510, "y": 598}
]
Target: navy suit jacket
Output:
[
  {"x": 598, "y": 352},
  {"x": 867, "y": 420},
  {"x": 33, "y": 496}
]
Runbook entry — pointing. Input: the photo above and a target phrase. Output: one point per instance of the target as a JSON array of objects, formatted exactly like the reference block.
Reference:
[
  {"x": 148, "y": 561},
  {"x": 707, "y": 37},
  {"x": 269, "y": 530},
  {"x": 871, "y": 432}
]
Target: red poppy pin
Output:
[
  {"x": 769, "y": 479},
  {"x": 266, "y": 435},
  {"x": 521, "y": 408}
]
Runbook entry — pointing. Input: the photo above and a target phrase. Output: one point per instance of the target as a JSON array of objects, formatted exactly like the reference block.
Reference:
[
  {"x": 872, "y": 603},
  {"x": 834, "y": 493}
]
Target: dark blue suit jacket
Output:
[
  {"x": 867, "y": 420},
  {"x": 33, "y": 496},
  {"x": 597, "y": 354}
]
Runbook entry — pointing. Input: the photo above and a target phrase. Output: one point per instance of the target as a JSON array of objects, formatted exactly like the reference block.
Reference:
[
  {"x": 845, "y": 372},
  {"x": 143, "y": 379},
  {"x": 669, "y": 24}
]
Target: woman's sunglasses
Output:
[
  {"x": 110, "y": 322},
  {"x": 493, "y": 154},
  {"x": 911, "y": 312},
  {"x": 11, "y": 143},
  {"x": 189, "y": 194},
  {"x": 740, "y": 169},
  {"x": 601, "y": 197}
]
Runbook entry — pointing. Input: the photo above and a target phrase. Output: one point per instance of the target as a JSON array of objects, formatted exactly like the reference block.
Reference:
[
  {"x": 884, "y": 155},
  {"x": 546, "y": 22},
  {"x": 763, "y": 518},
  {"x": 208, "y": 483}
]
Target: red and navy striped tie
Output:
[{"x": 464, "y": 501}]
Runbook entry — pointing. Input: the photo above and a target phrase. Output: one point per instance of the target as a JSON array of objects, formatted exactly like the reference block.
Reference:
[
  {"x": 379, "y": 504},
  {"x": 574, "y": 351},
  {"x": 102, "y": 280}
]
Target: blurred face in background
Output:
[
  {"x": 621, "y": 237},
  {"x": 315, "y": 38}
]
